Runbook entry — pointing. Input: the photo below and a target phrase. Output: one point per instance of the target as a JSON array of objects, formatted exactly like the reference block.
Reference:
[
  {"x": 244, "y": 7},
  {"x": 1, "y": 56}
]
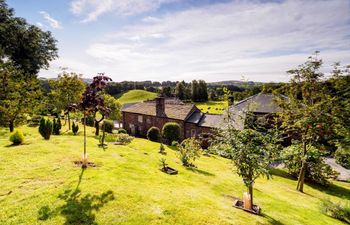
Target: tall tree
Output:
[
  {"x": 180, "y": 90},
  {"x": 307, "y": 115},
  {"x": 203, "y": 91},
  {"x": 195, "y": 91},
  {"x": 66, "y": 89},
  {"x": 26, "y": 45},
  {"x": 18, "y": 95}
]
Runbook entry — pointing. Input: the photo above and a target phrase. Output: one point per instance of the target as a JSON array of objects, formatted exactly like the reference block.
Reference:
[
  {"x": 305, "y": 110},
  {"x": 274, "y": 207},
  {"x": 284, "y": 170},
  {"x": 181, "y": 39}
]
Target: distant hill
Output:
[
  {"x": 136, "y": 96},
  {"x": 234, "y": 82}
]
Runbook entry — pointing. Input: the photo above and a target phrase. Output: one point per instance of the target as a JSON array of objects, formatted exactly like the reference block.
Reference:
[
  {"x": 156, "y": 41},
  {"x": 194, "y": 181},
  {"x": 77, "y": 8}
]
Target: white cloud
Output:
[
  {"x": 39, "y": 24},
  {"x": 227, "y": 41},
  {"x": 51, "y": 21},
  {"x": 92, "y": 9}
]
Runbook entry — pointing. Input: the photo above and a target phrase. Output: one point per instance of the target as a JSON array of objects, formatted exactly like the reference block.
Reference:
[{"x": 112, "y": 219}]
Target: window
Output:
[
  {"x": 148, "y": 120},
  {"x": 139, "y": 118}
]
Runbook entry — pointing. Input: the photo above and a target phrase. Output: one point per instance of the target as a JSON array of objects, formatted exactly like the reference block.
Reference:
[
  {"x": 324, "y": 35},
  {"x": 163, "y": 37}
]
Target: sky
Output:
[{"x": 256, "y": 40}]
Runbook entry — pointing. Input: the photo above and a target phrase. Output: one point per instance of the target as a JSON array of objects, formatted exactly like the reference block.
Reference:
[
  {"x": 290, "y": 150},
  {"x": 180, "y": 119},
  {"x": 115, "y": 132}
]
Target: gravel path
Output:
[{"x": 344, "y": 173}]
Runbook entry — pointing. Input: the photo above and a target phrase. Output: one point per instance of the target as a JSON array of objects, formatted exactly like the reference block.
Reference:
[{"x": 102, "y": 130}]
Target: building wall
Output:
[{"x": 138, "y": 125}]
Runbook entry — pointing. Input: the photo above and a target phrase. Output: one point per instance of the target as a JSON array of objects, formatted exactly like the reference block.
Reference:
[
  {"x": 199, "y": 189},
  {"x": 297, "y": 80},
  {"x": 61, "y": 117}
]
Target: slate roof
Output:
[
  {"x": 211, "y": 120},
  {"x": 172, "y": 111},
  {"x": 259, "y": 103}
]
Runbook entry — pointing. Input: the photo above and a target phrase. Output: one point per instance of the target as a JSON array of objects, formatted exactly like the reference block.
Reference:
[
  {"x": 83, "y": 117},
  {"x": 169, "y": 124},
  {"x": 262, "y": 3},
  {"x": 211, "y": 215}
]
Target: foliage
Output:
[
  {"x": 124, "y": 139},
  {"x": 174, "y": 143},
  {"x": 65, "y": 90},
  {"x": 189, "y": 151},
  {"x": 122, "y": 131},
  {"x": 17, "y": 137},
  {"x": 316, "y": 169},
  {"x": 108, "y": 126},
  {"x": 171, "y": 131},
  {"x": 342, "y": 156},
  {"x": 115, "y": 107},
  {"x": 336, "y": 210},
  {"x": 45, "y": 128},
  {"x": 19, "y": 94},
  {"x": 180, "y": 90},
  {"x": 56, "y": 126},
  {"x": 26, "y": 45},
  {"x": 307, "y": 114},
  {"x": 153, "y": 134},
  {"x": 75, "y": 128}
]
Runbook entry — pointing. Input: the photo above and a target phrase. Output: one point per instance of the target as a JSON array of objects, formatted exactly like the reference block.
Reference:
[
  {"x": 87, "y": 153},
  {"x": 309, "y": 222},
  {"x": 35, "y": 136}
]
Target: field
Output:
[
  {"x": 212, "y": 107},
  {"x": 136, "y": 96},
  {"x": 41, "y": 185}
]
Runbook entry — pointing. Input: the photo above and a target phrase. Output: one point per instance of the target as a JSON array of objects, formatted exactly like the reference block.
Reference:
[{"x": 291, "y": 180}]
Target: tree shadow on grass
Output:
[
  {"x": 332, "y": 189},
  {"x": 195, "y": 170},
  {"x": 77, "y": 209},
  {"x": 282, "y": 173},
  {"x": 271, "y": 220}
]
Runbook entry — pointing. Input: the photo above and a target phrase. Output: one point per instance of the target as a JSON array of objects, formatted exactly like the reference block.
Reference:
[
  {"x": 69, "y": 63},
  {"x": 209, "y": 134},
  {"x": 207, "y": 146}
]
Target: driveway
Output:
[{"x": 344, "y": 174}]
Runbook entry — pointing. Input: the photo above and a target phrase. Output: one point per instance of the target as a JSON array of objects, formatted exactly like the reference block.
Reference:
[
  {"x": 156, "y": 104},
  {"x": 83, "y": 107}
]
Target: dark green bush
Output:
[
  {"x": 171, "y": 132},
  {"x": 336, "y": 210},
  {"x": 17, "y": 137},
  {"x": 153, "y": 134},
  {"x": 108, "y": 126},
  {"x": 90, "y": 121},
  {"x": 56, "y": 127},
  {"x": 75, "y": 128},
  {"x": 45, "y": 128},
  {"x": 34, "y": 121},
  {"x": 316, "y": 171},
  {"x": 342, "y": 156},
  {"x": 174, "y": 143},
  {"x": 122, "y": 131}
]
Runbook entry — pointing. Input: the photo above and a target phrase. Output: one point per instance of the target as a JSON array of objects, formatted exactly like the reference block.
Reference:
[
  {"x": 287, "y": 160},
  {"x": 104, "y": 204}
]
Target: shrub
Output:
[
  {"x": 153, "y": 134},
  {"x": 124, "y": 139},
  {"x": 342, "y": 156},
  {"x": 205, "y": 140},
  {"x": 75, "y": 128},
  {"x": 35, "y": 121},
  {"x": 317, "y": 170},
  {"x": 162, "y": 149},
  {"x": 45, "y": 128},
  {"x": 17, "y": 137},
  {"x": 189, "y": 151},
  {"x": 108, "y": 126},
  {"x": 122, "y": 131},
  {"x": 174, "y": 143},
  {"x": 56, "y": 127},
  {"x": 171, "y": 131},
  {"x": 110, "y": 137},
  {"x": 336, "y": 210},
  {"x": 90, "y": 121}
]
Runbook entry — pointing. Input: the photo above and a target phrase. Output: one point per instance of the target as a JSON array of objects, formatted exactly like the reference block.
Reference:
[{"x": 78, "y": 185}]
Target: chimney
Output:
[{"x": 160, "y": 107}]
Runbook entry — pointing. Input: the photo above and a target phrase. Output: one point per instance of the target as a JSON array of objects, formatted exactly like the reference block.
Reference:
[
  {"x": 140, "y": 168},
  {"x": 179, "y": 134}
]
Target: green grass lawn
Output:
[
  {"x": 136, "y": 96},
  {"x": 213, "y": 107},
  {"x": 39, "y": 180}
]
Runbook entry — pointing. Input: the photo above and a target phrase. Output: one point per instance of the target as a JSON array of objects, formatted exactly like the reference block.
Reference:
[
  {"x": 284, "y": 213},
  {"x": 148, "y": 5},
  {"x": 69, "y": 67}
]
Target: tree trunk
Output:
[
  {"x": 250, "y": 191},
  {"x": 103, "y": 135},
  {"x": 97, "y": 127},
  {"x": 68, "y": 121},
  {"x": 301, "y": 178},
  {"x": 11, "y": 126},
  {"x": 84, "y": 164}
]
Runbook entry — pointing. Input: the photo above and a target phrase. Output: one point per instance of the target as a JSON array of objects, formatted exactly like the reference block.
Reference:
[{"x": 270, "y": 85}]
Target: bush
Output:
[
  {"x": 153, "y": 134},
  {"x": 108, "y": 126},
  {"x": 45, "y": 128},
  {"x": 171, "y": 131},
  {"x": 342, "y": 156},
  {"x": 124, "y": 139},
  {"x": 317, "y": 170},
  {"x": 75, "y": 128},
  {"x": 110, "y": 137},
  {"x": 35, "y": 121},
  {"x": 189, "y": 151},
  {"x": 336, "y": 210},
  {"x": 174, "y": 143},
  {"x": 205, "y": 140},
  {"x": 56, "y": 127},
  {"x": 90, "y": 121},
  {"x": 17, "y": 137},
  {"x": 122, "y": 131}
]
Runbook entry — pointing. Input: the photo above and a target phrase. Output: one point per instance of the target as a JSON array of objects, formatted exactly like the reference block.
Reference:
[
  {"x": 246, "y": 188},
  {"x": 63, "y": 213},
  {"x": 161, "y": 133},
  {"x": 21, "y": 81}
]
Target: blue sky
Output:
[{"x": 191, "y": 39}]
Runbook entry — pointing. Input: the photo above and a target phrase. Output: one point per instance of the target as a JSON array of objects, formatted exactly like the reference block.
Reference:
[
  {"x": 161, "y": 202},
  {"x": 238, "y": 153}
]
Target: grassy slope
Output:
[
  {"x": 213, "y": 107},
  {"x": 40, "y": 176},
  {"x": 136, "y": 96}
]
